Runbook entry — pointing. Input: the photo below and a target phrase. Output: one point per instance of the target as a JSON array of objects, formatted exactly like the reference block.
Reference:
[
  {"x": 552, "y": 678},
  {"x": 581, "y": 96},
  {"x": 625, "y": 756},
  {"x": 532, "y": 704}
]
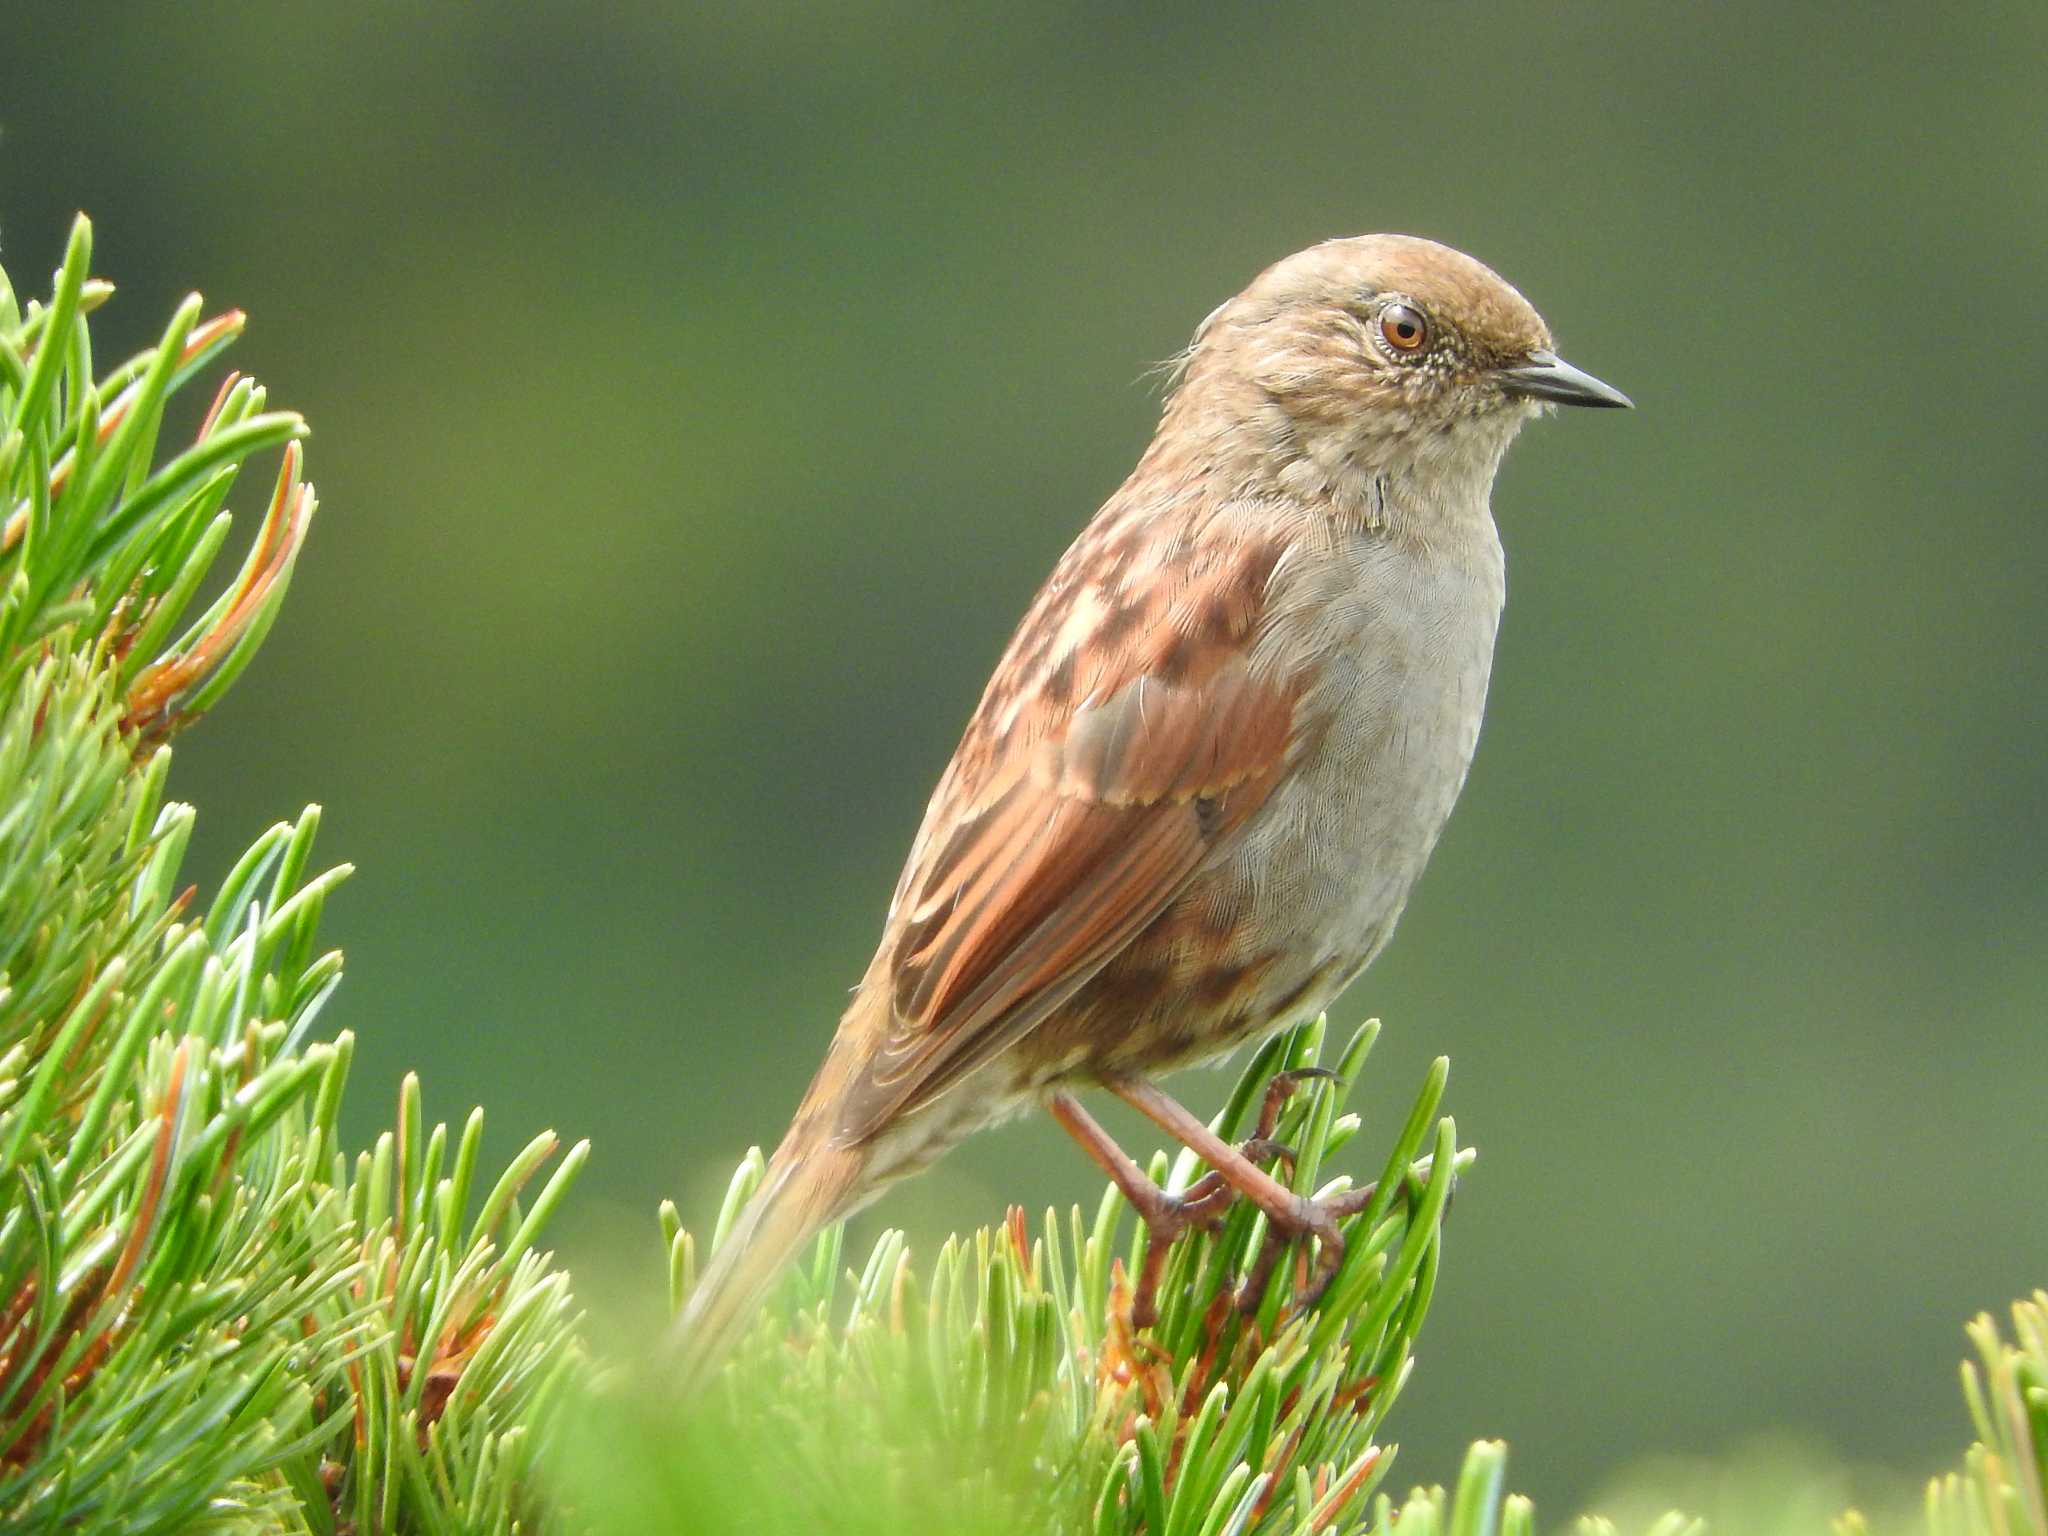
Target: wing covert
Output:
[{"x": 1067, "y": 848}]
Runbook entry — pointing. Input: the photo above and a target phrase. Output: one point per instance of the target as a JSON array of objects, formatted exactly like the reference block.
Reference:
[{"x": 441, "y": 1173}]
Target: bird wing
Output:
[{"x": 1061, "y": 830}]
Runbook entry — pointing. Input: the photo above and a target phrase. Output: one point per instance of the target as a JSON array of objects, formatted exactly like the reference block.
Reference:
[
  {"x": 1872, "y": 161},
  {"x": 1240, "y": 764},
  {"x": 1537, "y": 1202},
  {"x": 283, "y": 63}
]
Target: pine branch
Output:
[
  {"x": 2001, "y": 1485},
  {"x": 208, "y": 1318},
  {"x": 1002, "y": 1390}
]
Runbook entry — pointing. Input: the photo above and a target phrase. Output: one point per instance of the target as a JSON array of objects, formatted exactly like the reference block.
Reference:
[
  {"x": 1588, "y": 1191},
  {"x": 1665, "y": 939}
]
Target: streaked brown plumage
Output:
[{"x": 1214, "y": 758}]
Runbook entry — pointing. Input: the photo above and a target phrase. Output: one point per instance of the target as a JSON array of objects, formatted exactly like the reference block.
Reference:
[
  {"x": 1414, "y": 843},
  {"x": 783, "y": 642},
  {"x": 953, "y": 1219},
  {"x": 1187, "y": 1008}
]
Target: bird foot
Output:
[
  {"x": 1263, "y": 1149},
  {"x": 1234, "y": 1171},
  {"x": 1260, "y": 1147},
  {"x": 1319, "y": 1219},
  {"x": 1309, "y": 1218},
  {"x": 1215, "y": 1196},
  {"x": 1281, "y": 1089},
  {"x": 1167, "y": 1217}
]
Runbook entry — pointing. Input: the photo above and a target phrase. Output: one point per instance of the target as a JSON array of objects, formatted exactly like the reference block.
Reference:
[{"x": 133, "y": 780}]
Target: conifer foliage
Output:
[{"x": 210, "y": 1316}]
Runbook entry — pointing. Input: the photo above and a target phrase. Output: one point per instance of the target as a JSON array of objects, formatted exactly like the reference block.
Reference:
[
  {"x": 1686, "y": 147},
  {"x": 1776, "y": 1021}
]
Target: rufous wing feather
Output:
[{"x": 1066, "y": 850}]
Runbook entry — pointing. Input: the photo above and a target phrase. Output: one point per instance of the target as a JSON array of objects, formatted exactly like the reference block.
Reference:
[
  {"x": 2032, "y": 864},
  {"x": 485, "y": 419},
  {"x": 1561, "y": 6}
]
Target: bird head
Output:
[{"x": 1380, "y": 352}]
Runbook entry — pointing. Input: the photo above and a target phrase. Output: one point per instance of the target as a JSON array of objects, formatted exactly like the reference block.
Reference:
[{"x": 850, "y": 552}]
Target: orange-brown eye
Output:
[{"x": 1404, "y": 328}]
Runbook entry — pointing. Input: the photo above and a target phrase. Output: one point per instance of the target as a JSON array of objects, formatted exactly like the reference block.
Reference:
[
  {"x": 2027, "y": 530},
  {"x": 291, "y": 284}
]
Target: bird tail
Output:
[{"x": 809, "y": 1184}]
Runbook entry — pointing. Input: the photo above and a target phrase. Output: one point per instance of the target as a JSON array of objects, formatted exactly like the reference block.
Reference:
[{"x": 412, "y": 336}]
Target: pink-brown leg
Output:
[
  {"x": 1289, "y": 1214},
  {"x": 1165, "y": 1216}
]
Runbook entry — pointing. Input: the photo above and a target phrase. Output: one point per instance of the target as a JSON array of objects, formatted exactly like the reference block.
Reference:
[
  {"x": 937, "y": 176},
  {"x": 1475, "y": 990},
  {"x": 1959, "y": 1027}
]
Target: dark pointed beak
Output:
[{"x": 1546, "y": 376}]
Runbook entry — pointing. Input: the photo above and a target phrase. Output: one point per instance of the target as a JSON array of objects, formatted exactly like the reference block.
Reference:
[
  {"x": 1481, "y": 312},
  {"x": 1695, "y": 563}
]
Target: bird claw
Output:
[
  {"x": 1201, "y": 1204},
  {"x": 1278, "y": 1091},
  {"x": 1311, "y": 1218},
  {"x": 1321, "y": 1222},
  {"x": 1263, "y": 1149},
  {"x": 1260, "y": 1147}
]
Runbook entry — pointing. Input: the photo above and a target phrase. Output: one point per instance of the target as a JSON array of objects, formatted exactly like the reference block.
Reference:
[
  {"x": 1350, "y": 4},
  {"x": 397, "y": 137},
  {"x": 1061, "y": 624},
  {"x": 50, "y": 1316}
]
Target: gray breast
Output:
[{"x": 1402, "y": 635}]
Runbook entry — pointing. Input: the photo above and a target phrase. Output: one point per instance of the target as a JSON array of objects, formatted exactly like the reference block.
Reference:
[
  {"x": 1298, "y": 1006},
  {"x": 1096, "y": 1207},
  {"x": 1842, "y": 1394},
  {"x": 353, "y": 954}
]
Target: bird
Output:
[{"x": 1209, "y": 766}]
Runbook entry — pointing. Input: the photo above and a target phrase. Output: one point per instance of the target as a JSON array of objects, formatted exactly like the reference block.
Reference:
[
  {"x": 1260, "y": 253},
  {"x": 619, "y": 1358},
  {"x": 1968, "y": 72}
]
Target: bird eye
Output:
[{"x": 1404, "y": 328}]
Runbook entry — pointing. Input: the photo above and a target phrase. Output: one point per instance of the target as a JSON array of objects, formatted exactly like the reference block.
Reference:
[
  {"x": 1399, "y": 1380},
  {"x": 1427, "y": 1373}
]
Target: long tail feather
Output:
[{"x": 805, "y": 1188}]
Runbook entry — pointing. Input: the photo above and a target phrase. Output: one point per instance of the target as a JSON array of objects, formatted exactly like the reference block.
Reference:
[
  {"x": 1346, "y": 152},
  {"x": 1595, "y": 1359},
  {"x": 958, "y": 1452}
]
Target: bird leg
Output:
[
  {"x": 1288, "y": 1214},
  {"x": 1260, "y": 1147},
  {"x": 1166, "y": 1216}
]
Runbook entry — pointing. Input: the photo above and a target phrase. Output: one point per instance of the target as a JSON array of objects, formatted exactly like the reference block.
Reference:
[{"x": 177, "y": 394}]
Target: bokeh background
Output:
[{"x": 700, "y": 393}]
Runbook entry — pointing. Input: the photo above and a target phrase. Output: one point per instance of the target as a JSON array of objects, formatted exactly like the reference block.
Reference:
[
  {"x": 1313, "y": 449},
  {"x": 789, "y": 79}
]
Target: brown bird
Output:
[{"x": 1210, "y": 765}]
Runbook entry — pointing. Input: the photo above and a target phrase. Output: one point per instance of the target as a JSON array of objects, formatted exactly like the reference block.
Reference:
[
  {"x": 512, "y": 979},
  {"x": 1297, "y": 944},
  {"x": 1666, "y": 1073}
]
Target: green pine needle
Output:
[{"x": 207, "y": 1322}]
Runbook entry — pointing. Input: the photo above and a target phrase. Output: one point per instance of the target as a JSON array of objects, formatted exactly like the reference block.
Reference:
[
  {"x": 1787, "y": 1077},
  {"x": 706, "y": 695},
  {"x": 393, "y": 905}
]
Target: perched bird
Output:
[{"x": 1210, "y": 765}]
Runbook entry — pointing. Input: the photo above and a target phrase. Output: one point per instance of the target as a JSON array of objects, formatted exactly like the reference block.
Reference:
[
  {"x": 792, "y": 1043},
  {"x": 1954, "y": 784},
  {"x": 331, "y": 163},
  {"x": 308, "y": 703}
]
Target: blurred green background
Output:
[{"x": 700, "y": 393}]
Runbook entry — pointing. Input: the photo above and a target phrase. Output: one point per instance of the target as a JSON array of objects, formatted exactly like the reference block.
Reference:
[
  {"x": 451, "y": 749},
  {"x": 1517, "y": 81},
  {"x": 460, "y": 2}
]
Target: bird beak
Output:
[{"x": 1546, "y": 376}]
